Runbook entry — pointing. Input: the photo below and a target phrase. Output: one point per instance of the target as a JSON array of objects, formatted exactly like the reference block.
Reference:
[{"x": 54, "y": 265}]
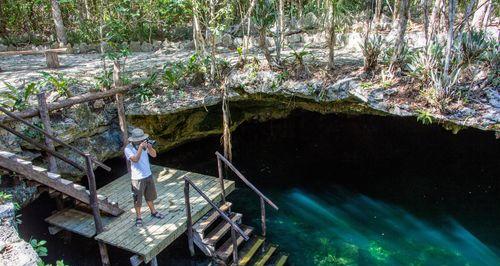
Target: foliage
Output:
[
  {"x": 423, "y": 62},
  {"x": 5, "y": 197},
  {"x": 371, "y": 49},
  {"x": 39, "y": 247},
  {"x": 299, "y": 66},
  {"x": 58, "y": 263},
  {"x": 104, "y": 80},
  {"x": 424, "y": 117},
  {"x": 145, "y": 90},
  {"x": 58, "y": 83},
  {"x": 474, "y": 44},
  {"x": 17, "y": 98}
]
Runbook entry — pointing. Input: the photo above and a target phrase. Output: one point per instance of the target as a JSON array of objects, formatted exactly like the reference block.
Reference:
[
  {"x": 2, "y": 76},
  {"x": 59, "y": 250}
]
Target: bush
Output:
[
  {"x": 474, "y": 44},
  {"x": 371, "y": 48}
]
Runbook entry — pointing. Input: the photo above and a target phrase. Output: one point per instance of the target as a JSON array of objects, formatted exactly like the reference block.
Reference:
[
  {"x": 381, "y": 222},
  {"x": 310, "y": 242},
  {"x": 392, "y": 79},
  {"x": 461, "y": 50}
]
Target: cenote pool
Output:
[{"x": 352, "y": 190}]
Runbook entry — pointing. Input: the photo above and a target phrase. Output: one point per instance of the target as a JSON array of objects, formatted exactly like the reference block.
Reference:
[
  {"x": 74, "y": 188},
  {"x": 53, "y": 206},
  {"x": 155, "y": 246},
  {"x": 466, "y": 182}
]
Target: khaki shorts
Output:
[{"x": 144, "y": 187}]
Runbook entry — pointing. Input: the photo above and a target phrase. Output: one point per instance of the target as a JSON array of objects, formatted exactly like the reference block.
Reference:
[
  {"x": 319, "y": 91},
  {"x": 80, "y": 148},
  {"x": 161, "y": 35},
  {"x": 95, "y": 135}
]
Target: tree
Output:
[
  {"x": 402, "y": 20},
  {"x": 331, "y": 34},
  {"x": 435, "y": 18},
  {"x": 246, "y": 34},
  {"x": 199, "y": 41},
  {"x": 378, "y": 12},
  {"x": 279, "y": 30},
  {"x": 3, "y": 27},
  {"x": 58, "y": 22},
  {"x": 449, "y": 42},
  {"x": 481, "y": 16}
]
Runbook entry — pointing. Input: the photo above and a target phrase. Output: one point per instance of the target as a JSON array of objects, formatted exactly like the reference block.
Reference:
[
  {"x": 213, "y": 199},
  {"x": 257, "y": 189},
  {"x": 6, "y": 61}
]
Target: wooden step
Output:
[
  {"x": 8, "y": 155},
  {"x": 39, "y": 169},
  {"x": 53, "y": 181},
  {"x": 253, "y": 245},
  {"x": 261, "y": 261},
  {"x": 280, "y": 260},
  {"x": 203, "y": 224},
  {"x": 218, "y": 232},
  {"x": 226, "y": 250}
]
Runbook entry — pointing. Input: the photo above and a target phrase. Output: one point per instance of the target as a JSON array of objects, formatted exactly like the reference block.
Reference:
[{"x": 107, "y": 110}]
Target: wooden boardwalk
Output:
[{"x": 156, "y": 234}]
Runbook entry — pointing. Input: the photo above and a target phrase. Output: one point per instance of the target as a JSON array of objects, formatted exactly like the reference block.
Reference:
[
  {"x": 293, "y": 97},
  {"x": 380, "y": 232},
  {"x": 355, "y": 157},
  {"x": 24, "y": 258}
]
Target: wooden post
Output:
[
  {"x": 263, "y": 215},
  {"x": 94, "y": 204},
  {"x": 123, "y": 122},
  {"x": 44, "y": 116},
  {"x": 235, "y": 246},
  {"x": 52, "y": 59},
  {"x": 221, "y": 180},
  {"x": 189, "y": 221},
  {"x": 153, "y": 261}
]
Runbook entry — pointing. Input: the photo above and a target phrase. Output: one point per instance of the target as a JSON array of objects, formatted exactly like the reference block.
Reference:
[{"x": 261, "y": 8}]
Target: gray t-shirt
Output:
[{"x": 140, "y": 169}]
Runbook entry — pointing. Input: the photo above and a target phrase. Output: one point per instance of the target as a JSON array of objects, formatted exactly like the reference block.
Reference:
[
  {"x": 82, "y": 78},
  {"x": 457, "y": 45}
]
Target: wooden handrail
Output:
[
  {"x": 221, "y": 213},
  {"x": 42, "y": 147},
  {"x": 243, "y": 178},
  {"x": 91, "y": 96},
  {"x": 50, "y": 136}
]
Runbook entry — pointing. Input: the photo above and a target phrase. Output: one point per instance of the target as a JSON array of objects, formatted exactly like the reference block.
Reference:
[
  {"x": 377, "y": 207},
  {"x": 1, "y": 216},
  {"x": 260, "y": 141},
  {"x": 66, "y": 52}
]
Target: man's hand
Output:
[{"x": 144, "y": 145}]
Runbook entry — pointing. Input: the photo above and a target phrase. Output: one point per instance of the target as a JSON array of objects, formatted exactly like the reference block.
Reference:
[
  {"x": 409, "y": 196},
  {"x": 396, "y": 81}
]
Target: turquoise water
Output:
[{"x": 343, "y": 228}]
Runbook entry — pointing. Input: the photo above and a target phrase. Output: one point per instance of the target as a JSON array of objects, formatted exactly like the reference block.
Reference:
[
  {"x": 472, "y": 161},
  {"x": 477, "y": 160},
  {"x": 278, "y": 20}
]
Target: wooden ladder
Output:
[
  {"x": 220, "y": 233},
  {"x": 54, "y": 181}
]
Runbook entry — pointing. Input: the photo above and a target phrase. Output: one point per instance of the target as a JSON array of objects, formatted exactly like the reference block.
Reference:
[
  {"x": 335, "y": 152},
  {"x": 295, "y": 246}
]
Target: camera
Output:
[{"x": 151, "y": 141}]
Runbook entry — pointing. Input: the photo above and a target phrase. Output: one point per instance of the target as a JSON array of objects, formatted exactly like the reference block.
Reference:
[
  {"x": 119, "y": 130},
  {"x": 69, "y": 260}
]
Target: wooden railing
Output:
[
  {"x": 87, "y": 169},
  {"x": 234, "y": 227},
  {"x": 262, "y": 197}
]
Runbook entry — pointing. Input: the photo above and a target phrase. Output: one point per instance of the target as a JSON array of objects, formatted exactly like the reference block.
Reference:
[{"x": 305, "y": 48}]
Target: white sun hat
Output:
[{"x": 137, "y": 134}]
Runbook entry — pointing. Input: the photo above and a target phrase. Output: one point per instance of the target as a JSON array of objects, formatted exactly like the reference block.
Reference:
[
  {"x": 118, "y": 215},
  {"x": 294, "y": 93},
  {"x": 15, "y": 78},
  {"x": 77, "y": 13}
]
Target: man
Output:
[{"x": 138, "y": 152}]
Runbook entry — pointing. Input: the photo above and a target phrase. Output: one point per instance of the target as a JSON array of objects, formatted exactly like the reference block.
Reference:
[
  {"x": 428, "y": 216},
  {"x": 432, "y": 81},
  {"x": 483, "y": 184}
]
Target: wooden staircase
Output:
[
  {"x": 54, "y": 181},
  {"x": 211, "y": 235}
]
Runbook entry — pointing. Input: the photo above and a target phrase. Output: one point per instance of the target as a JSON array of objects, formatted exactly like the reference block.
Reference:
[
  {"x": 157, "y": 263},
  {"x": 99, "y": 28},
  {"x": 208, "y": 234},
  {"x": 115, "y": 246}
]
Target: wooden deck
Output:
[{"x": 156, "y": 234}]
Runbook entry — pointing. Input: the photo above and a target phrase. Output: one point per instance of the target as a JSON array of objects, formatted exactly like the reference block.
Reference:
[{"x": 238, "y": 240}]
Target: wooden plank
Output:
[
  {"x": 52, "y": 59},
  {"x": 214, "y": 193},
  {"x": 281, "y": 260},
  {"x": 201, "y": 226},
  {"x": 225, "y": 251},
  {"x": 135, "y": 237},
  {"x": 214, "y": 236},
  {"x": 44, "y": 116},
  {"x": 33, "y": 52},
  {"x": 247, "y": 253},
  {"x": 86, "y": 97},
  {"x": 76, "y": 221},
  {"x": 43, "y": 178},
  {"x": 267, "y": 254}
]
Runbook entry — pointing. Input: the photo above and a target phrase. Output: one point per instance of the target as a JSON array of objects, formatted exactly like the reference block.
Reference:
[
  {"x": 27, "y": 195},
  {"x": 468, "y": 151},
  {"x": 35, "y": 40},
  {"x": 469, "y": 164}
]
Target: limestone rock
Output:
[
  {"x": 146, "y": 47},
  {"x": 135, "y": 46},
  {"x": 3, "y": 48},
  {"x": 309, "y": 21},
  {"x": 227, "y": 40},
  {"x": 157, "y": 45}
]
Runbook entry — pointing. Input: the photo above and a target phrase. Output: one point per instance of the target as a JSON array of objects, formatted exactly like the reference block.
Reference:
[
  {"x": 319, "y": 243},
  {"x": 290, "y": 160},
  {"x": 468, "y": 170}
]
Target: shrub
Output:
[
  {"x": 39, "y": 247},
  {"x": 371, "y": 48},
  {"x": 474, "y": 44},
  {"x": 17, "y": 99},
  {"x": 423, "y": 62}
]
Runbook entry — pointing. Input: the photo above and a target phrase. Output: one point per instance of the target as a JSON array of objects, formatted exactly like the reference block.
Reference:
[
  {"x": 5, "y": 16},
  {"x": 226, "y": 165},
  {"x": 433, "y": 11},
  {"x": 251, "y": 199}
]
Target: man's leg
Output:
[
  {"x": 150, "y": 195},
  {"x": 138, "y": 192}
]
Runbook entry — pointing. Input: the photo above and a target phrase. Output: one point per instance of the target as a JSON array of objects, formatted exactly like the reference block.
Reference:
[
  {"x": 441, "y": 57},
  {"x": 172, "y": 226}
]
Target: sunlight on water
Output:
[{"x": 342, "y": 228}]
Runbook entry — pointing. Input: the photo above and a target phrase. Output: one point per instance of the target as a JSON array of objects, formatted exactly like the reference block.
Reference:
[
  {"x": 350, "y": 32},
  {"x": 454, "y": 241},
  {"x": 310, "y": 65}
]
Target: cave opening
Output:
[{"x": 351, "y": 189}]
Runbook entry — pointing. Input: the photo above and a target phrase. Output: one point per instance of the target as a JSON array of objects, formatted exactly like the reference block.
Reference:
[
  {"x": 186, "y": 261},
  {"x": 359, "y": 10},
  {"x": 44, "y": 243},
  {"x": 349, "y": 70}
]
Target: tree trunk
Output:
[
  {"x": 263, "y": 46},
  {"x": 487, "y": 15},
  {"x": 3, "y": 26},
  {"x": 246, "y": 35},
  {"x": 449, "y": 43},
  {"x": 378, "y": 11},
  {"x": 331, "y": 35},
  {"x": 212, "y": 40},
  {"x": 401, "y": 29},
  {"x": 395, "y": 14},
  {"x": 199, "y": 41},
  {"x": 435, "y": 19},
  {"x": 58, "y": 22},
  {"x": 425, "y": 4},
  {"x": 279, "y": 31},
  {"x": 299, "y": 8},
  {"x": 87, "y": 9},
  {"x": 480, "y": 14}
]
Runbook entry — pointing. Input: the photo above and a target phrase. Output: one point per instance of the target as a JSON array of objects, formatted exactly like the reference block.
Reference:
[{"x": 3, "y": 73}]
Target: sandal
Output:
[
  {"x": 158, "y": 215},
  {"x": 138, "y": 222}
]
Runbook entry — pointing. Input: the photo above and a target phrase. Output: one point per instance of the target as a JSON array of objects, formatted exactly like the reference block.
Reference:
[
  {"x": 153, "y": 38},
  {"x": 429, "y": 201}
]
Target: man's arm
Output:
[
  {"x": 135, "y": 158},
  {"x": 151, "y": 151}
]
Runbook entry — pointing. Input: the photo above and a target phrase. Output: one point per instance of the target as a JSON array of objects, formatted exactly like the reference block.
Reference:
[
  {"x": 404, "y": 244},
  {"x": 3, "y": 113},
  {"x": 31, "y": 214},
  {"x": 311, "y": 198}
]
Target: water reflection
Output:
[{"x": 341, "y": 228}]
